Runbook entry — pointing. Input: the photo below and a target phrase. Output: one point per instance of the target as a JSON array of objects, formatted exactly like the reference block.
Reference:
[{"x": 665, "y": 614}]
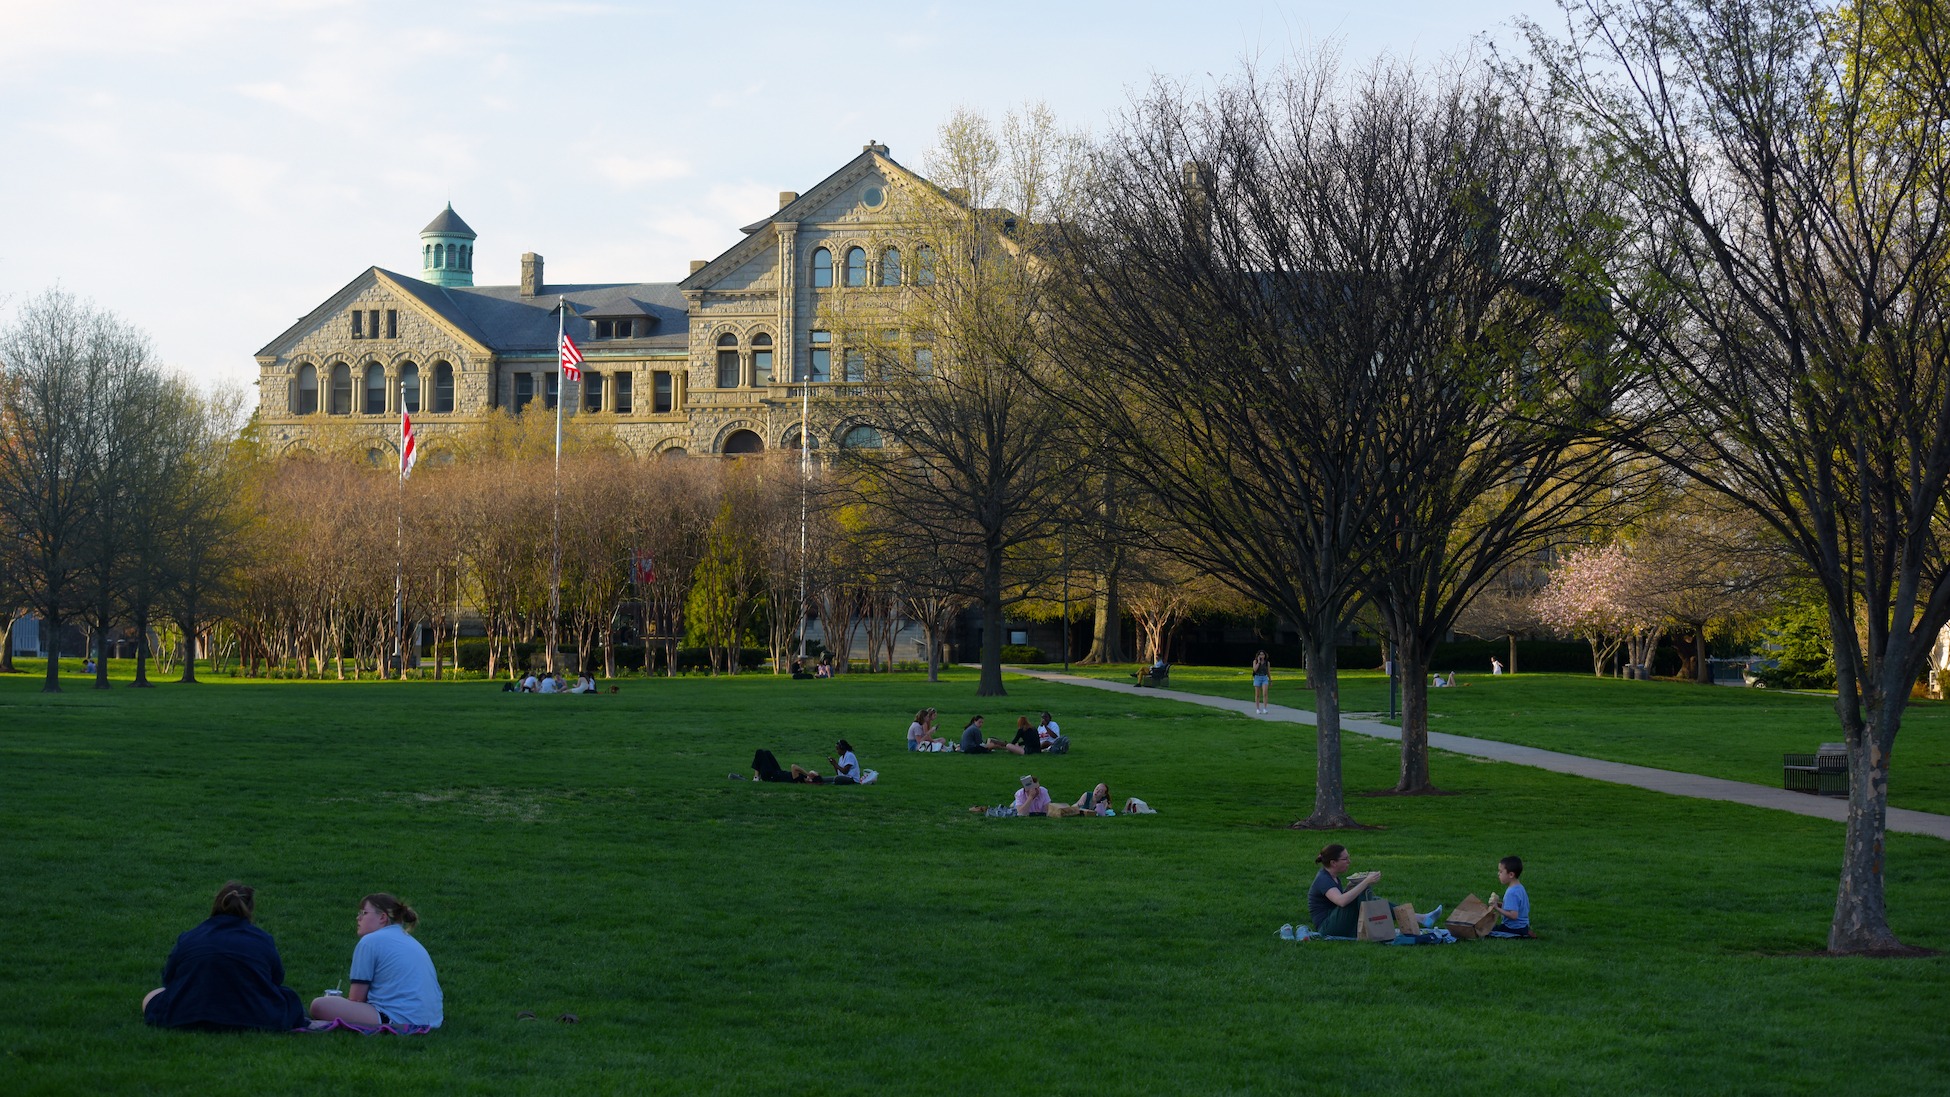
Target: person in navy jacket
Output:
[{"x": 225, "y": 974}]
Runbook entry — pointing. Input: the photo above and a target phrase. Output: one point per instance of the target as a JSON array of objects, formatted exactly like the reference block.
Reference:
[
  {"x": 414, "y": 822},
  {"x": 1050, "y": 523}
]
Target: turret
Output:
[{"x": 447, "y": 250}]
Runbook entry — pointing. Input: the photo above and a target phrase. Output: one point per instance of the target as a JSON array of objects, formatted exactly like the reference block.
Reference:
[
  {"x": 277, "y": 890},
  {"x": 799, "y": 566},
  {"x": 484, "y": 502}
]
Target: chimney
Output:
[
  {"x": 531, "y": 274},
  {"x": 787, "y": 197},
  {"x": 874, "y": 146},
  {"x": 699, "y": 264}
]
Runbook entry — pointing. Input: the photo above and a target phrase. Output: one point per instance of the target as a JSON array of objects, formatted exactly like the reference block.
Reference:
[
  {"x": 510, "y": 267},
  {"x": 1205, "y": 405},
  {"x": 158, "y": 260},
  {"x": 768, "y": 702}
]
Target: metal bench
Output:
[{"x": 1823, "y": 773}]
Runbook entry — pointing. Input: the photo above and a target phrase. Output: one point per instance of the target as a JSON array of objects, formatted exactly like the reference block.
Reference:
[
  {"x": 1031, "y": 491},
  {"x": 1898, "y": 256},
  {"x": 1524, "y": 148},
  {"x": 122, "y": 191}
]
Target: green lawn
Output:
[
  {"x": 1719, "y": 731},
  {"x": 589, "y": 855}
]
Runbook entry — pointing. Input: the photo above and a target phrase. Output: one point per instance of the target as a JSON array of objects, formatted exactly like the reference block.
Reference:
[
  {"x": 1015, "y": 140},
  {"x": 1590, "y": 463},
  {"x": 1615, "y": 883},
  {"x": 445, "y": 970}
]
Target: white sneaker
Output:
[{"x": 1286, "y": 932}]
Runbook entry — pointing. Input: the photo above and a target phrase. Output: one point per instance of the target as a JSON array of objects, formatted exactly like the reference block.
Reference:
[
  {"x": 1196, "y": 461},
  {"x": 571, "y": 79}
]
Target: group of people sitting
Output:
[
  {"x": 226, "y": 974},
  {"x": 845, "y": 769},
  {"x": 1046, "y": 735},
  {"x": 1334, "y": 899},
  {"x": 1033, "y": 799},
  {"x": 550, "y": 682},
  {"x": 824, "y": 669}
]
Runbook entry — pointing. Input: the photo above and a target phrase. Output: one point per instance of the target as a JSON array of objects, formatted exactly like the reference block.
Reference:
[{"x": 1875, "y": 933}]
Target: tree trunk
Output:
[
  {"x": 141, "y": 648},
  {"x": 1412, "y": 663},
  {"x": 1704, "y": 669},
  {"x": 1330, "y": 797},
  {"x": 7, "y": 645},
  {"x": 187, "y": 622},
  {"x": 1107, "y": 633},
  {"x": 51, "y": 630},
  {"x": 1513, "y": 654},
  {"x": 991, "y": 683},
  {"x": 1861, "y": 915},
  {"x": 102, "y": 621},
  {"x": 934, "y": 653}
]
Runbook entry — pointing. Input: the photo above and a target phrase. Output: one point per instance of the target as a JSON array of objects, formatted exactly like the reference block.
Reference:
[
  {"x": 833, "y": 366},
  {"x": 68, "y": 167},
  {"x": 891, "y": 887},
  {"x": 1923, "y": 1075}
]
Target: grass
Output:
[
  {"x": 1739, "y": 734},
  {"x": 588, "y": 855}
]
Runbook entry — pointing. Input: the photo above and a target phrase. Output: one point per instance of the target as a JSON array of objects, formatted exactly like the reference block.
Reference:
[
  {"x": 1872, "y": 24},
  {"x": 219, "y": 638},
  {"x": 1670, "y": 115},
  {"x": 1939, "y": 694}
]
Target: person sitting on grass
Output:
[
  {"x": 528, "y": 684},
  {"x": 765, "y": 767},
  {"x": 1514, "y": 908},
  {"x": 1048, "y": 732},
  {"x": 1025, "y": 741},
  {"x": 393, "y": 981},
  {"x": 1031, "y": 799},
  {"x": 846, "y": 768},
  {"x": 225, "y": 974},
  {"x": 1096, "y": 801},
  {"x": 1333, "y": 907},
  {"x": 972, "y": 741},
  {"x": 920, "y": 733},
  {"x": 825, "y": 667}
]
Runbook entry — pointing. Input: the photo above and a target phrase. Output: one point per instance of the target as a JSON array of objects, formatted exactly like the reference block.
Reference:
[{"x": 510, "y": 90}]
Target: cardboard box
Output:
[{"x": 1471, "y": 920}]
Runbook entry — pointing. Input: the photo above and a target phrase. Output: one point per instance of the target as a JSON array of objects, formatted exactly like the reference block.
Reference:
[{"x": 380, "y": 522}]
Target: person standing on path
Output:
[{"x": 1262, "y": 678}]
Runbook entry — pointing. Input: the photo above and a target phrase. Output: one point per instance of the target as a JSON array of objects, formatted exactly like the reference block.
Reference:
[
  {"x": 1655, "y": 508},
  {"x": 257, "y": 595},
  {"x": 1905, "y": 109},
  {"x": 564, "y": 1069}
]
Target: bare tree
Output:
[{"x": 1785, "y": 295}]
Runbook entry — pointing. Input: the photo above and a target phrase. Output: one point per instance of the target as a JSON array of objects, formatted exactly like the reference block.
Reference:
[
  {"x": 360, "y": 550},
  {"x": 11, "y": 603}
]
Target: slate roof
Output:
[
  {"x": 450, "y": 222},
  {"x": 499, "y": 317}
]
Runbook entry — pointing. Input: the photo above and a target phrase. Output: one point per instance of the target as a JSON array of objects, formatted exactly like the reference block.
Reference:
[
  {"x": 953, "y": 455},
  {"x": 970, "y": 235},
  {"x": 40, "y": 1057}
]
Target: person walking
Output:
[{"x": 1262, "y": 678}]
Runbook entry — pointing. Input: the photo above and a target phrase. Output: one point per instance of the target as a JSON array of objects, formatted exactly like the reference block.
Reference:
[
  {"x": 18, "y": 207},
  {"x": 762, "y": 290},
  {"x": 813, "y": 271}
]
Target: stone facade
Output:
[{"x": 707, "y": 365}]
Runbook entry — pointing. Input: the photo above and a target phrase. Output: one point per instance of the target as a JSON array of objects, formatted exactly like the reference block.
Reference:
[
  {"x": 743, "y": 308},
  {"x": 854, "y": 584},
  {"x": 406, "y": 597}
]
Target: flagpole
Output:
[
  {"x": 555, "y": 557},
  {"x": 399, "y": 540}
]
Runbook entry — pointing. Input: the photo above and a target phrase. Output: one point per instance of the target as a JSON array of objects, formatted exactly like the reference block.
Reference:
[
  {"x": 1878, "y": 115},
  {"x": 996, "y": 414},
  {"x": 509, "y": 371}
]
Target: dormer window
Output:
[{"x": 615, "y": 329}]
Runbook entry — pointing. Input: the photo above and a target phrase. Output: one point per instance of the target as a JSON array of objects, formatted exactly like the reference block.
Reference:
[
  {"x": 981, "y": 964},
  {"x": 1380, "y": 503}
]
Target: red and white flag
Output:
[
  {"x": 571, "y": 358},
  {"x": 408, "y": 452}
]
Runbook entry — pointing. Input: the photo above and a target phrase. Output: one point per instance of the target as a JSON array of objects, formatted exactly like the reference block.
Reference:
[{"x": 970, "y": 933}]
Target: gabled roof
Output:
[
  {"x": 450, "y": 223},
  {"x": 500, "y": 320},
  {"x": 873, "y": 156}
]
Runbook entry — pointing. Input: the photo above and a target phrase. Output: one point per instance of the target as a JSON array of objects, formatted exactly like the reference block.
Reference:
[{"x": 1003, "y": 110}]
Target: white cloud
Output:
[{"x": 634, "y": 171}]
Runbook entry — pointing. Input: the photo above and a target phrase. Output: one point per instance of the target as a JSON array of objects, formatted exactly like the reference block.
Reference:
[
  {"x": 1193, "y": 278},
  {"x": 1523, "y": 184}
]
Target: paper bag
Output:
[
  {"x": 1377, "y": 921},
  {"x": 1406, "y": 919},
  {"x": 1471, "y": 920}
]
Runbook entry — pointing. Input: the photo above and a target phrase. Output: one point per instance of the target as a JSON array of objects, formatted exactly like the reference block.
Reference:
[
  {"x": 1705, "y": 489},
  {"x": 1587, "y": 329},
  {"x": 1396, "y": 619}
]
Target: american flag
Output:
[
  {"x": 408, "y": 452},
  {"x": 571, "y": 358}
]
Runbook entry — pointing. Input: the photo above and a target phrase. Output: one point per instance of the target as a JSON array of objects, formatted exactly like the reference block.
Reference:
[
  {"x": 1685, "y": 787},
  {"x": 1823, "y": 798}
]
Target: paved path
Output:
[{"x": 1617, "y": 773}]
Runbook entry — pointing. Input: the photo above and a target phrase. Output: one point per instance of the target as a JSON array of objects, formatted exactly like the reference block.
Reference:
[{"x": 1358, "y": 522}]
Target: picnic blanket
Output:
[{"x": 369, "y": 1030}]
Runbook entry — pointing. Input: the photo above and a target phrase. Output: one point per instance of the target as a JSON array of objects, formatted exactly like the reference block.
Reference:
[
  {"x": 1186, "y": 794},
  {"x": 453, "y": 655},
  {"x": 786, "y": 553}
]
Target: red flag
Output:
[
  {"x": 643, "y": 569},
  {"x": 571, "y": 358},
  {"x": 408, "y": 452}
]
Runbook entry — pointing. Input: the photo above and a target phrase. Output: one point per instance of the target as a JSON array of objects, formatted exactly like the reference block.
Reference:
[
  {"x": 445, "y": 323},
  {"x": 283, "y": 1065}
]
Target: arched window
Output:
[
  {"x": 740, "y": 442},
  {"x": 439, "y": 256},
  {"x": 467, "y": 257},
  {"x": 793, "y": 438},
  {"x": 341, "y": 389},
  {"x": 375, "y": 390},
  {"x": 862, "y": 437},
  {"x": 426, "y": 255},
  {"x": 307, "y": 401},
  {"x": 443, "y": 387},
  {"x": 924, "y": 266},
  {"x": 822, "y": 268},
  {"x": 409, "y": 382},
  {"x": 856, "y": 266},
  {"x": 890, "y": 267},
  {"x": 727, "y": 361},
  {"x": 761, "y": 359}
]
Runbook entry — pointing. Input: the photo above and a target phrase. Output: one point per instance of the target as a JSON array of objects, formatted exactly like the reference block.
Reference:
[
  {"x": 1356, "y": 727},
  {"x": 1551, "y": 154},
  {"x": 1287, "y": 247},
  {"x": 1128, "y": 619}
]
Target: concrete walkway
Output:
[{"x": 1901, "y": 820}]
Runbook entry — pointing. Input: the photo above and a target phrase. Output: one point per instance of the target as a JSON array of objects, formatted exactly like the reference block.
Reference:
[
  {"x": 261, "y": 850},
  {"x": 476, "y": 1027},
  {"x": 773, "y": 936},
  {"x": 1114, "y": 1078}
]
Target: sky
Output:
[{"x": 211, "y": 170}]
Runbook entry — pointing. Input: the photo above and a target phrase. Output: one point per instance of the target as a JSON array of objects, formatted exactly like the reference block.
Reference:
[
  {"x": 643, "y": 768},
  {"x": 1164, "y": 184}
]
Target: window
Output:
[
  {"x": 375, "y": 390},
  {"x": 426, "y": 255},
  {"x": 524, "y": 390},
  {"x": 392, "y": 323},
  {"x": 439, "y": 256},
  {"x": 358, "y": 323},
  {"x": 861, "y": 438},
  {"x": 856, "y": 266},
  {"x": 890, "y": 267},
  {"x": 409, "y": 385},
  {"x": 625, "y": 393},
  {"x": 924, "y": 266},
  {"x": 307, "y": 401},
  {"x": 663, "y": 395},
  {"x": 372, "y": 323},
  {"x": 856, "y": 365},
  {"x": 819, "y": 366},
  {"x": 761, "y": 359},
  {"x": 592, "y": 391},
  {"x": 795, "y": 437},
  {"x": 615, "y": 329},
  {"x": 924, "y": 361},
  {"x": 549, "y": 391},
  {"x": 727, "y": 361},
  {"x": 443, "y": 387},
  {"x": 822, "y": 268},
  {"x": 740, "y": 442},
  {"x": 341, "y": 389}
]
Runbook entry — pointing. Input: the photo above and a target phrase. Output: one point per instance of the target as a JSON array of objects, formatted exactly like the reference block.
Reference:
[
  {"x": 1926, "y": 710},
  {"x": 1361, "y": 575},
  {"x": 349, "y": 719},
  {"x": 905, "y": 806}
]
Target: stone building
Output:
[{"x": 717, "y": 363}]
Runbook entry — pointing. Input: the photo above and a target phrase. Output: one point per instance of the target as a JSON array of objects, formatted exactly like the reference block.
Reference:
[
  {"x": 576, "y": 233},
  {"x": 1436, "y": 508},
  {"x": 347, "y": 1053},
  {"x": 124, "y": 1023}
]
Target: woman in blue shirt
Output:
[
  {"x": 1335, "y": 910},
  {"x": 393, "y": 981}
]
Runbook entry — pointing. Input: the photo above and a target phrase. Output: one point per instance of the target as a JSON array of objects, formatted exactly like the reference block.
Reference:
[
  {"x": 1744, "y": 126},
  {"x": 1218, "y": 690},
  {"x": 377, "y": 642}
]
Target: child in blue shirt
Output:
[{"x": 1514, "y": 908}]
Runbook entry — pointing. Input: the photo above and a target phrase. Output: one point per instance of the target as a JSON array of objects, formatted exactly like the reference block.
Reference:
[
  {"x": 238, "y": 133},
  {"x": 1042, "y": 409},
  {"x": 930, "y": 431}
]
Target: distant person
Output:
[
  {"x": 1047, "y": 732},
  {"x": 551, "y": 683},
  {"x": 1026, "y": 741},
  {"x": 529, "y": 684},
  {"x": 1096, "y": 801},
  {"x": 585, "y": 683},
  {"x": 1514, "y": 908},
  {"x": 972, "y": 741},
  {"x": 1262, "y": 679},
  {"x": 1496, "y": 666},
  {"x": 88, "y": 665},
  {"x": 799, "y": 671},
  {"x": 825, "y": 666},
  {"x": 225, "y": 974},
  {"x": 846, "y": 768},
  {"x": 1332, "y": 904},
  {"x": 765, "y": 767},
  {"x": 392, "y": 978},
  {"x": 920, "y": 733},
  {"x": 1032, "y": 798}
]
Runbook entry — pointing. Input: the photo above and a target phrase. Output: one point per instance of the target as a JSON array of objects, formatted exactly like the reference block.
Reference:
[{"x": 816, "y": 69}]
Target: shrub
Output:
[{"x": 1022, "y": 653}]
